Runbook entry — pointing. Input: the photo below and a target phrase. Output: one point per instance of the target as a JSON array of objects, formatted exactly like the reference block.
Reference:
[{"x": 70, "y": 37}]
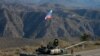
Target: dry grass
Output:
[
  {"x": 31, "y": 49},
  {"x": 17, "y": 51},
  {"x": 27, "y": 49},
  {"x": 88, "y": 46}
]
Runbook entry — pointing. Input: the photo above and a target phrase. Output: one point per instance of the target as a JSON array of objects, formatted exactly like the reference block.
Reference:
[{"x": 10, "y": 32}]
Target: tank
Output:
[{"x": 52, "y": 49}]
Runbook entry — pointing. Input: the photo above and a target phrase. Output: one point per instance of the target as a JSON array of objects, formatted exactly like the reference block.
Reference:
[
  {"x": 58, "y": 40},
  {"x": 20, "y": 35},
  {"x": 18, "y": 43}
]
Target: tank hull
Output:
[{"x": 44, "y": 55}]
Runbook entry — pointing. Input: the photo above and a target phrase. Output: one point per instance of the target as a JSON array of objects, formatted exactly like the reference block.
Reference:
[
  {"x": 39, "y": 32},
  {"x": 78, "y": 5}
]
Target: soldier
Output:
[
  {"x": 50, "y": 46},
  {"x": 55, "y": 43}
]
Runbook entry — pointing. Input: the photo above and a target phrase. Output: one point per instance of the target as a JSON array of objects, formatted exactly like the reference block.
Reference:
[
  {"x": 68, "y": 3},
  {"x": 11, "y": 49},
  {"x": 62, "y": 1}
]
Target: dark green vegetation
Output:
[{"x": 85, "y": 37}]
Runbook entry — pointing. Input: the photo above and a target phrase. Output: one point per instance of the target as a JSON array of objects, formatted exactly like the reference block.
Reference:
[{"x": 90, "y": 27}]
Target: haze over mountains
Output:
[
  {"x": 26, "y": 19},
  {"x": 69, "y": 3}
]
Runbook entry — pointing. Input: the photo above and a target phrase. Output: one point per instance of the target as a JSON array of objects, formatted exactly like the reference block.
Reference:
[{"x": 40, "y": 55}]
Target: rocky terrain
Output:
[
  {"x": 23, "y": 24},
  {"x": 23, "y": 27},
  {"x": 28, "y": 21}
]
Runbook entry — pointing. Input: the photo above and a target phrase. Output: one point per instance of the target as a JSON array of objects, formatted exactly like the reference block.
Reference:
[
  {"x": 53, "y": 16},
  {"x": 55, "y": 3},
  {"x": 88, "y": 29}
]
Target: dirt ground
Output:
[
  {"x": 91, "y": 49},
  {"x": 95, "y": 52}
]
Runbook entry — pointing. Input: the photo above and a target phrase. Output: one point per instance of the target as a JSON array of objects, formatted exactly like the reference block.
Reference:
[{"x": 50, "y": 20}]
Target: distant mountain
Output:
[
  {"x": 76, "y": 3},
  {"x": 18, "y": 21},
  {"x": 90, "y": 4}
]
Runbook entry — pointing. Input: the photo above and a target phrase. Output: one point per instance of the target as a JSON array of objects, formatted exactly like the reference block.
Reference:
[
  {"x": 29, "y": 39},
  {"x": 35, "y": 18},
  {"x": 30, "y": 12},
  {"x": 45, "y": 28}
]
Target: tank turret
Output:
[{"x": 51, "y": 48}]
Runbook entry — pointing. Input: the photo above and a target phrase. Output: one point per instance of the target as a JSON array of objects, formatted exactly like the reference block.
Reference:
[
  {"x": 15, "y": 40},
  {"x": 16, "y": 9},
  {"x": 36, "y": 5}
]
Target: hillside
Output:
[{"x": 18, "y": 21}]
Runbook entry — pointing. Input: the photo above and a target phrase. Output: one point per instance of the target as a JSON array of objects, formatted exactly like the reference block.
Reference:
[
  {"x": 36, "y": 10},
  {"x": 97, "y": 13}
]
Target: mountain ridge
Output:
[
  {"x": 90, "y": 4},
  {"x": 28, "y": 22}
]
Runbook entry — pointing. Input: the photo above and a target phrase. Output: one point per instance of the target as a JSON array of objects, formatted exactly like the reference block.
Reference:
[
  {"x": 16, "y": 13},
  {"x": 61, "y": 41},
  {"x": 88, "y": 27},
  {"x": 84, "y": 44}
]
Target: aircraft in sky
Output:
[{"x": 49, "y": 15}]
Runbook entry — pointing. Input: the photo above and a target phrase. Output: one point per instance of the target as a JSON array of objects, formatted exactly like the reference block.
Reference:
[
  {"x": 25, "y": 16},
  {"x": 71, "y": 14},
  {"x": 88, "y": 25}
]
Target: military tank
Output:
[{"x": 51, "y": 49}]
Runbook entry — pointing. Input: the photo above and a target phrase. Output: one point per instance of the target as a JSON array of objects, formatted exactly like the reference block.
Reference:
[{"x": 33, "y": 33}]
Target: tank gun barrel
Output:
[{"x": 75, "y": 45}]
